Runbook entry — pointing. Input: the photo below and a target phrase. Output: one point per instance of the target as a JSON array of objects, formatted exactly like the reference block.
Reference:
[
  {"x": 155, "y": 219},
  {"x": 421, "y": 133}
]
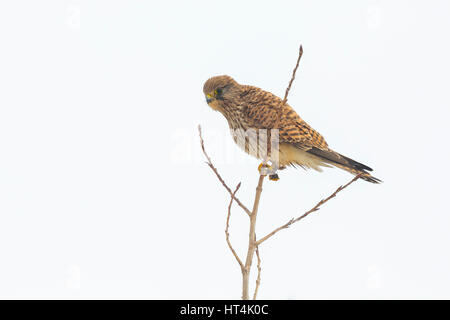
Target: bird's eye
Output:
[{"x": 218, "y": 92}]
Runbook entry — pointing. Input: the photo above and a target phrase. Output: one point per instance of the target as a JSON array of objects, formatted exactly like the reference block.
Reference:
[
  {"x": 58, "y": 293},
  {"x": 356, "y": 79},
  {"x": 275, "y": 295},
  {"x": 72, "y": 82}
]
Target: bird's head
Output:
[{"x": 218, "y": 89}]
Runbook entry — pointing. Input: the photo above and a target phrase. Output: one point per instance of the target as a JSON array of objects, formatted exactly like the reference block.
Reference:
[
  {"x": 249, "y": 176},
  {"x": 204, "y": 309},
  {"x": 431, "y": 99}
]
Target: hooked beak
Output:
[{"x": 208, "y": 98}]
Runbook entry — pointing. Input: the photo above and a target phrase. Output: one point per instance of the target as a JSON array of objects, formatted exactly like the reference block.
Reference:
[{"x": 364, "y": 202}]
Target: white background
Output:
[{"x": 103, "y": 188}]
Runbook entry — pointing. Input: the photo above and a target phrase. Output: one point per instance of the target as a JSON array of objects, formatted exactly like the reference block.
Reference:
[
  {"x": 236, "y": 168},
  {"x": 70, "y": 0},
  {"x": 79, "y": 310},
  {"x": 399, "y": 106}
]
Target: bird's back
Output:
[{"x": 261, "y": 111}]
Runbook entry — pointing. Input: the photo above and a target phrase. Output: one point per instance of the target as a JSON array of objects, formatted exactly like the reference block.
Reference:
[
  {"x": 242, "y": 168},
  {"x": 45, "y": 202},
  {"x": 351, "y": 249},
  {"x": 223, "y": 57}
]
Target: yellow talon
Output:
[
  {"x": 264, "y": 165},
  {"x": 260, "y": 166}
]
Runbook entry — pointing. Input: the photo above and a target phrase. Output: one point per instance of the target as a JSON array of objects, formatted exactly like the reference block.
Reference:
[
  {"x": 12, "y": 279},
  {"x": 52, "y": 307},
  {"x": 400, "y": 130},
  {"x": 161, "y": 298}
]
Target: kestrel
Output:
[{"x": 252, "y": 113}]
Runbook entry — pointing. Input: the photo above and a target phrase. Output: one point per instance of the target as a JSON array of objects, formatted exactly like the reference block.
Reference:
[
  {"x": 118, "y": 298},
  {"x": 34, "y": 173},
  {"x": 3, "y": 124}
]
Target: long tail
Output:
[
  {"x": 345, "y": 163},
  {"x": 365, "y": 175}
]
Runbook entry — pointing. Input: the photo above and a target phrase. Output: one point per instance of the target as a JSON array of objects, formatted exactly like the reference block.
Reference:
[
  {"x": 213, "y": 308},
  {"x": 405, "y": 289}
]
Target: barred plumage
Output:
[{"x": 252, "y": 112}]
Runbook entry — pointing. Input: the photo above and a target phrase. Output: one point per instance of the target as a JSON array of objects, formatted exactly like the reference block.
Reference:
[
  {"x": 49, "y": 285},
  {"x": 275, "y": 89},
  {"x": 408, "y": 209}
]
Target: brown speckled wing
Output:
[{"x": 261, "y": 112}]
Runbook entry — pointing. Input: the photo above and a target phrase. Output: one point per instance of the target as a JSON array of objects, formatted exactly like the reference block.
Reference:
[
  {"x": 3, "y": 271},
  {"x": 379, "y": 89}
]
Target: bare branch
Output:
[
  {"x": 258, "y": 279},
  {"x": 209, "y": 163},
  {"x": 315, "y": 208},
  {"x": 227, "y": 235},
  {"x": 300, "y": 53}
]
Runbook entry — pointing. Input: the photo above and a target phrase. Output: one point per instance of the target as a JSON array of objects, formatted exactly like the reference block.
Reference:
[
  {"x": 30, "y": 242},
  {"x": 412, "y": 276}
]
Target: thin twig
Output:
[
  {"x": 315, "y": 208},
  {"x": 300, "y": 53},
  {"x": 258, "y": 279},
  {"x": 209, "y": 163},
  {"x": 227, "y": 235}
]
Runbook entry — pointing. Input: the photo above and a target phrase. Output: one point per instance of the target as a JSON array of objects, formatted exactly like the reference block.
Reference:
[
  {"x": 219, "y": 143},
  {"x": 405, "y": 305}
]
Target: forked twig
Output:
[
  {"x": 315, "y": 208},
  {"x": 251, "y": 240}
]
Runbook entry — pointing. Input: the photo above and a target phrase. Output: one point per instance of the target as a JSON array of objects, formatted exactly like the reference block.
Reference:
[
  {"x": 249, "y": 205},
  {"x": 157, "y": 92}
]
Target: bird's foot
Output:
[{"x": 266, "y": 169}]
